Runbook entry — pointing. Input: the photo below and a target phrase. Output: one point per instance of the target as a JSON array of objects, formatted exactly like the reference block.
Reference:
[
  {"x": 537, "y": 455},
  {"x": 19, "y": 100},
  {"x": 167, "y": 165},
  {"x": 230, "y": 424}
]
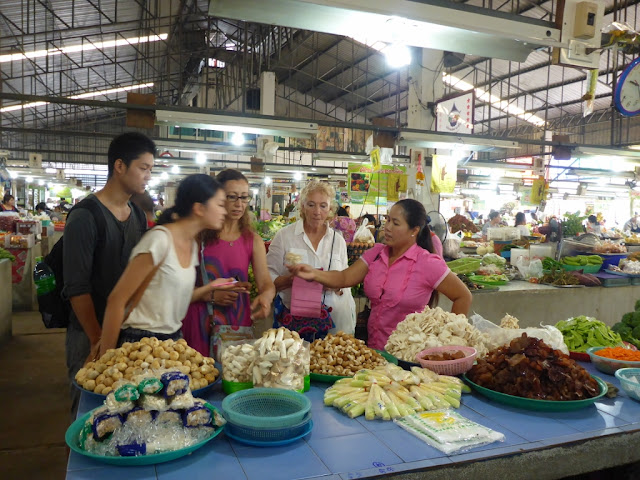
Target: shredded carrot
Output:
[{"x": 619, "y": 353}]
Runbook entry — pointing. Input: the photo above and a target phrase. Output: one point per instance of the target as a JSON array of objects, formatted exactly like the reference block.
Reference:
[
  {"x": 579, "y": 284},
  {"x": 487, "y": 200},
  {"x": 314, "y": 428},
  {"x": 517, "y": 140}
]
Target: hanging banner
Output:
[
  {"x": 539, "y": 191},
  {"x": 455, "y": 115},
  {"x": 396, "y": 185},
  {"x": 369, "y": 187},
  {"x": 444, "y": 173},
  {"x": 375, "y": 159}
]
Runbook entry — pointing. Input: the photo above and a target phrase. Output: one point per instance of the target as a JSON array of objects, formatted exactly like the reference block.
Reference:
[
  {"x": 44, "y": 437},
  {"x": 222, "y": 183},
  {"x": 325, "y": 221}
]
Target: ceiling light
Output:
[
  {"x": 297, "y": 176},
  {"x": 201, "y": 159},
  {"x": 397, "y": 56},
  {"x": 13, "y": 174},
  {"x": 267, "y": 180},
  {"x": 11, "y": 57},
  {"x": 314, "y": 169},
  {"x": 257, "y": 125},
  {"x": 29, "y": 179},
  {"x": 504, "y": 105},
  {"x": 21, "y": 106},
  {"x": 50, "y": 170},
  {"x": 255, "y": 191},
  {"x": 237, "y": 139},
  {"x": 164, "y": 176},
  {"x": 41, "y": 182},
  {"x": 175, "y": 169}
]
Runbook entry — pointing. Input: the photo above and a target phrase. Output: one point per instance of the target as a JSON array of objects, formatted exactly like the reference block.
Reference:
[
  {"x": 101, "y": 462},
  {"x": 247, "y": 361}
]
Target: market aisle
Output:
[{"x": 34, "y": 401}]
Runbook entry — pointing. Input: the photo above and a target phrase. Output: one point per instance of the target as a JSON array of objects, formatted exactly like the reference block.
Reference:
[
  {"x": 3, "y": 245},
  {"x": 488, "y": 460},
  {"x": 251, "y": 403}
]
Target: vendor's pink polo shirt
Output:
[{"x": 396, "y": 292}]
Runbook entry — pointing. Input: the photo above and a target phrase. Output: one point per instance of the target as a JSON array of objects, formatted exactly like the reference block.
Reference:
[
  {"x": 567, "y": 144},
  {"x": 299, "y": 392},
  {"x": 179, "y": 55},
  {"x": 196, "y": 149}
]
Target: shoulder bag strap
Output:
[
  {"x": 137, "y": 295},
  {"x": 333, "y": 241},
  {"x": 205, "y": 278}
]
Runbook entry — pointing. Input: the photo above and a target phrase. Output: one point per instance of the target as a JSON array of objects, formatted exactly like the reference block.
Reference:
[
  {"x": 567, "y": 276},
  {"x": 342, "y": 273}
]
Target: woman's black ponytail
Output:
[{"x": 416, "y": 216}]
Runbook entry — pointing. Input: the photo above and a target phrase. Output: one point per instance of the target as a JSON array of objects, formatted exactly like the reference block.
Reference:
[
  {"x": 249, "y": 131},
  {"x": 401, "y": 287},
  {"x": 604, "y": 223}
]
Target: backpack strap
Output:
[{"x": 140, "y": 216}]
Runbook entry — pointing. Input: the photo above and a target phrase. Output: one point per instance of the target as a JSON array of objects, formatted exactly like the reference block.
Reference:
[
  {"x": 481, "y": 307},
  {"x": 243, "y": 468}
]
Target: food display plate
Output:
[
  {"x": 538, "y": 405},
  {"x": 562, "y": 286},
  {"x": 196, "y": 393},
  {"x": 478, "y": 279},
  {"x": 73, "y": 434},
  {"x": 320, "y": 378}
]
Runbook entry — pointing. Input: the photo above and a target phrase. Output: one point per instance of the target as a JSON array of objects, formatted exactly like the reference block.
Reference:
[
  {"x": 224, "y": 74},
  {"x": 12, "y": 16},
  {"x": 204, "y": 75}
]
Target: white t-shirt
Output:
[
  {"x": 165, "y": 301},
  {"x": 292, "y": 238},
  {"x": 524, "y": 230}
]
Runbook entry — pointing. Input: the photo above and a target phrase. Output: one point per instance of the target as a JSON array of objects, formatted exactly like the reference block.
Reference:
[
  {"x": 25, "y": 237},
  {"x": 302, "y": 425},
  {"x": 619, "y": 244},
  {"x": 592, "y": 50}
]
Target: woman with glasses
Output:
[
  {"x": 228, "y": 253},
  {"x": 312, "y": 241}
]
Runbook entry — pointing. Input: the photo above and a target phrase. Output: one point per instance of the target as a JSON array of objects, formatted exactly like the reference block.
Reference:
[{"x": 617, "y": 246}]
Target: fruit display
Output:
[
  {"x": 582, "y": 260},
  {"x": 629, "y": 327},
  {"x": 433, "y": 327},
  {"x": 5, "y": 254},
  {"x": 342, "y": 354},
  {"x": 134, "y": 359},
  {"x": 390, "y": 392},
  {"x": 461, "y": 223},
  {"x": 583, "y": 332},
  {"x": 529, "y": 368}
]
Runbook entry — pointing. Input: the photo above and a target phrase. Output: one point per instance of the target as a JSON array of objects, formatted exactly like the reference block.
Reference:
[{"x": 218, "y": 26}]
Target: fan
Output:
[{"x": 438, "y": 225}]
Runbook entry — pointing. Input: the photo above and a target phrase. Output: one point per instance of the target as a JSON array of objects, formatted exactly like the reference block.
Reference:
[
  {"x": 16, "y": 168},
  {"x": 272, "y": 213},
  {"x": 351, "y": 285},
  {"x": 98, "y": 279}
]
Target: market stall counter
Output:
[
  {"x": 541, "y": 445},
  {"x": 534, "y": 303}
]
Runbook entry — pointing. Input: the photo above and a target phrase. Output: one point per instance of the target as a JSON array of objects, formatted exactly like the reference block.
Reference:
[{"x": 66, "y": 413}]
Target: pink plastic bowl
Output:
[{"x": 448, "y": 367}]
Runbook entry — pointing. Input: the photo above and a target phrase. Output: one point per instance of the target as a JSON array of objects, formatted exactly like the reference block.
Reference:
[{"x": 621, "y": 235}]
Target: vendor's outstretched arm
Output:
[
  {"x": 456, "y": 291},
  {"x": 333, "y": 279}
]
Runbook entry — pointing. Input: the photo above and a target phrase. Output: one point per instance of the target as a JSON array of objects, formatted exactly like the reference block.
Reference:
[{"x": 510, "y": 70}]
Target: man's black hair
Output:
[{"x": 127, "y": 147}]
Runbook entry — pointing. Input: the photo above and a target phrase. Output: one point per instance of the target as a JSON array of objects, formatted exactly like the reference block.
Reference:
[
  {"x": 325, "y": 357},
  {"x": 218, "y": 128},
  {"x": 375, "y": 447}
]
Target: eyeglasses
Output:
[{"x": 235, "y": 198}]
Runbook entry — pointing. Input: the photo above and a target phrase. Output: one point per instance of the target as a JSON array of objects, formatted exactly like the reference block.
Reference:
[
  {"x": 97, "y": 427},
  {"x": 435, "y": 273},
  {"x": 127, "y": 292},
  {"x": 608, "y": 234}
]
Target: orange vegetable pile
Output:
[{"x": 619, "y": 353}]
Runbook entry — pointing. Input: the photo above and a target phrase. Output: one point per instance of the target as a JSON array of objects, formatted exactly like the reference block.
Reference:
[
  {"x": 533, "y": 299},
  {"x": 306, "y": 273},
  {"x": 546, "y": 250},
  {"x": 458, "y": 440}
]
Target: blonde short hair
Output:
[{"x": 315, "y": 186}]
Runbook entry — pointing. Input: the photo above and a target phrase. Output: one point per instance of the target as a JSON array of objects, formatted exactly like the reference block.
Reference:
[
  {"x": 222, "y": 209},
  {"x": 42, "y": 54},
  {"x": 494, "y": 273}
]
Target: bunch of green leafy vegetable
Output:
[
  {"x": 572, "y": 224},
  {"x": 464, "y": 266},
  {"x": 5, "y": 254},
  {"x": 583, "y": 332},
  {"x": 629, "y": 327},
  {"x": 494, "y": 259},
  {"x": 267, "y": 229}
]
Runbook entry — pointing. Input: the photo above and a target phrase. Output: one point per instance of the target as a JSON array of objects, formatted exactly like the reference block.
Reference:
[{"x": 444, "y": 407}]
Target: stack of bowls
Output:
[{"x": 267, "y": 416}]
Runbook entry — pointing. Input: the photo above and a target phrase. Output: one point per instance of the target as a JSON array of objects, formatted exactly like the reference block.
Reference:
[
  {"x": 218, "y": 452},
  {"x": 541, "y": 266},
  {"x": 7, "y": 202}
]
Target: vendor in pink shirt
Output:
[{"x": 400, "y": 277}]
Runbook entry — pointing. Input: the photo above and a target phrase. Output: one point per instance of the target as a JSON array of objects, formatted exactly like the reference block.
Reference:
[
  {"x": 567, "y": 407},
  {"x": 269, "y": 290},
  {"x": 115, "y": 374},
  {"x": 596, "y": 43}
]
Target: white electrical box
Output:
[
  {"x": 581, "y": 29},
  {"x": 35, "y": 160},
  {"x": 584, "y": 26}
]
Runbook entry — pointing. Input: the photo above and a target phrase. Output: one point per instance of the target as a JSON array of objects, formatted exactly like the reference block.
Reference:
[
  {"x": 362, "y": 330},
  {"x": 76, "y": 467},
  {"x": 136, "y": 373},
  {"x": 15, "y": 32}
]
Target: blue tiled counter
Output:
[{"x": 537, "y": 445}]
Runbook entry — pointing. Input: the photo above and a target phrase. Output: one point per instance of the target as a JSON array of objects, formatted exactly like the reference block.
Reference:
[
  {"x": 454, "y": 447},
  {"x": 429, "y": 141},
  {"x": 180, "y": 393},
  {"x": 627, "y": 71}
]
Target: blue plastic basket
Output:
[
  {"x": 630, "y": 381},
  {"x": 279, "y": 434},
  {"x": 271, "y": 443},
  {"x": 266, "y": 408}
]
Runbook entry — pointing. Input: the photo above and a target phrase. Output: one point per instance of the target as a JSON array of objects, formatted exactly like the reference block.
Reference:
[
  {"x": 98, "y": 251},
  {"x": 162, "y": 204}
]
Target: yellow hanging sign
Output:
[
  {"x": 444, "y": 173},
  {"x": 375, "y": 159}
]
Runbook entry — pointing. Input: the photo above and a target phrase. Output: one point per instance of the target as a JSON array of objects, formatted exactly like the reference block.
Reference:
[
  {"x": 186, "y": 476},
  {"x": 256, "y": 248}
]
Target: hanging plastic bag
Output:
[
  {"x": 451, "y": 245},
  {"x": 363, "y": 234}
]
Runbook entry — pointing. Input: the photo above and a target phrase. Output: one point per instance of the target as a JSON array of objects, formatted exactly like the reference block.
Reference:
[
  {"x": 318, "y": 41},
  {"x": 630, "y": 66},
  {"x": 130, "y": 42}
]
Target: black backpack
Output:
[{"x": 53, "y": 307}]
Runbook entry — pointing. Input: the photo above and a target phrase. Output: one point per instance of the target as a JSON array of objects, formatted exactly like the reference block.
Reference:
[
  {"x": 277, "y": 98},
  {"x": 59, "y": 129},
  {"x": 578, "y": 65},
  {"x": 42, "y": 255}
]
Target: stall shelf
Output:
[{"x": 538, "y": 445}]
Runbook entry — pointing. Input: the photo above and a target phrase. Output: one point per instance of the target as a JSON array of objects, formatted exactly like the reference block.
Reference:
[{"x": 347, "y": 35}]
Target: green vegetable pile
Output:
[
  {"x": 464, "y": 266},
  {"x": 572, "y": 224},
  {"x": 268, "y": 229},
  {"x": 582, "y": 260},
  {"x": 493, "y": 259},
  {"x": 6, "y": 254},
  {"x": 549, "y": 263},
  {"x": 583, "y": 332},
  {"x": 629, "y": 327}
]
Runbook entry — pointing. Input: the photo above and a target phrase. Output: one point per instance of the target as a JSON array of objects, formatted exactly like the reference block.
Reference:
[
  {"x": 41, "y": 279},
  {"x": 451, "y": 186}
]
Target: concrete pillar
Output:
[
  {"x": 267, "y": 93},
  {"x": 425, "y": 86}
]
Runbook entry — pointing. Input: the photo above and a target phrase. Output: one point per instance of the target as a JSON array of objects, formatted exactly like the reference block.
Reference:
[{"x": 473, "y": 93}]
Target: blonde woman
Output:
[{"x": 314, "y": 243}]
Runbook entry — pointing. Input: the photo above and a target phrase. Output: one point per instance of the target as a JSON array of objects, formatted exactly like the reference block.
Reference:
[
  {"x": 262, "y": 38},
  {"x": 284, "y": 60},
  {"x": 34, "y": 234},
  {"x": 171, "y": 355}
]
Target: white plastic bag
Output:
[
  {"x": 451, "y": 245},
  {"x": 529, "y": 269},
  {"x": 497, "y": 337},
  {"x": 363, "y": 234}
]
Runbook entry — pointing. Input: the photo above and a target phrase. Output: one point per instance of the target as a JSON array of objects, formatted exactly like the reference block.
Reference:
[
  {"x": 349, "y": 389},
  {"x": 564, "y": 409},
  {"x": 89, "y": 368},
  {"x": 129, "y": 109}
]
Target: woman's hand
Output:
[
  {"x": 206, "y": 293},
  {"x": 223, "y": 298},
  {"x": 283, "y": 282},
  {"x": 261, "y": 306},
  {"x": 306, "y": 272},
  {"x": 94, "y": 353}
]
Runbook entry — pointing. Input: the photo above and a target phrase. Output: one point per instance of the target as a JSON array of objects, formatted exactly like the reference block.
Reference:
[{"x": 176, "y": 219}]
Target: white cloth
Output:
[
  {"x": 292, "y": 238},
  {"x": 165, "y": 301},
  {"x": 524, "y": 230}
]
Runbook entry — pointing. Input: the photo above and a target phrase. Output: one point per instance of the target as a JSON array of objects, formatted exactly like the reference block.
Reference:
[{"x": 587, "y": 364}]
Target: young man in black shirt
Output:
[{"x": 96, "y": 252}]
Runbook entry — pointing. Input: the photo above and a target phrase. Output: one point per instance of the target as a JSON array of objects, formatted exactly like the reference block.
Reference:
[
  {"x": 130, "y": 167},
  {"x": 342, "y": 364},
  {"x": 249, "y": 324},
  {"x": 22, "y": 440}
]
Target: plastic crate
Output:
[
  {"x": 265, "y": 407},
  {"x": 609, "y": 280}
]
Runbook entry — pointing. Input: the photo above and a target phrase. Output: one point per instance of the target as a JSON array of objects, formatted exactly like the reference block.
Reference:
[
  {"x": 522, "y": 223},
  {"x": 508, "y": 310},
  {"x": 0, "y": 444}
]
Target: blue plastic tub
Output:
[{"x": 611, "y": 259}]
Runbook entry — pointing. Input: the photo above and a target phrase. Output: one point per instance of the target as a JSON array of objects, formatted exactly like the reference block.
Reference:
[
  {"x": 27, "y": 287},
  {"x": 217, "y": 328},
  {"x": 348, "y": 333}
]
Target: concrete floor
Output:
[{"x": 34, "y": 401}]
